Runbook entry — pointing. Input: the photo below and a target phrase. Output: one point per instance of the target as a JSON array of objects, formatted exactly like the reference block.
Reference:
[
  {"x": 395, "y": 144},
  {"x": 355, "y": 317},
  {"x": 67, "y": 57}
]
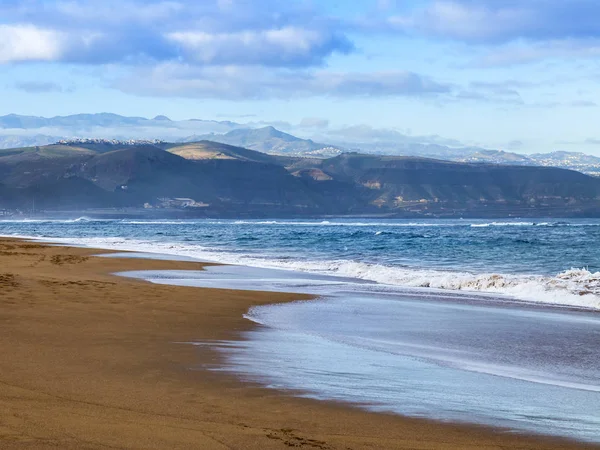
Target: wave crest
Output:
[{"x": 573, "y": 287}]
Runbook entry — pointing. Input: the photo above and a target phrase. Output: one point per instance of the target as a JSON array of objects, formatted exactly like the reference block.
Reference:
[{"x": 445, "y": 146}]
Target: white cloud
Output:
[
  {"x": 120, "y": 11},
  {"x": 269, "y": 47},
  {"x": 134, "y": 32},
  {"x": 29, "y": 43},
  {"x": 243, "y": 82},
  {"x": 512, "y": 31},
  {"x": 523, "y": 53},
  {"x": 502, "y": 20},
  {"x": 461, "y": 21},
  {"x": 313, "y": 122}
]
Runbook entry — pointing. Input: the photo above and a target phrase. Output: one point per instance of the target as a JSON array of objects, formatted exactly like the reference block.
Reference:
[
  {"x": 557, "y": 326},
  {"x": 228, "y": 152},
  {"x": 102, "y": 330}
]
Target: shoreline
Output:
[
  {"x": 91, "y": 360},
  {"x": 572, "y": 288}
]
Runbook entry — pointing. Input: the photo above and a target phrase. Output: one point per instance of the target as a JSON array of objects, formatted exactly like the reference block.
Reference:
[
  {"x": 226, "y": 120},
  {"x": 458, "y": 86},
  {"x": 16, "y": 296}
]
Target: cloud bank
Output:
[
  {"x": 210, "y": 32},
  {"x": 261, "y": 49},
  {"x": 238, "y": 82},
  {"x": 497, "y": 21}
]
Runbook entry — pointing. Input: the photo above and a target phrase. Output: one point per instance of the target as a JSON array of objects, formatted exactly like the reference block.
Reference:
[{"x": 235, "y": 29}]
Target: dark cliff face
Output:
[
  {"x": 396, "y": 180},
  {"x": 23, "y": 170},
  {"x": 254, "y": 183},
  {"x": 234, "y": 180},
  {"x": 144, "y": 174},
  {"x": 117, "y": 168}
]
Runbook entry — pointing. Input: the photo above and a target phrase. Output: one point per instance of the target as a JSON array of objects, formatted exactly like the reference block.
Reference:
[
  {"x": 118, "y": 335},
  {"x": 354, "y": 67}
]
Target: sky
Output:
[{"x": 516, "y": 75}]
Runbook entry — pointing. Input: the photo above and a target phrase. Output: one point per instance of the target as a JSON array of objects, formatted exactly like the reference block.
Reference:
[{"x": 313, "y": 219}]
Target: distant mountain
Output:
[
  {"x": 30, "y": 131},
  {"x": 446, "y": 153},
  {"x": 215, "y": 179},
  {"x": 15, "y": 121},
  {"x": 490, "y": 156},
  {"x": 568, "y": 160},
  {"x": 33, "y": 130},
  {"x": 13, "y": 141},
  {"x": 269, "y": 140},
  {"x": 272, "y": 141}
]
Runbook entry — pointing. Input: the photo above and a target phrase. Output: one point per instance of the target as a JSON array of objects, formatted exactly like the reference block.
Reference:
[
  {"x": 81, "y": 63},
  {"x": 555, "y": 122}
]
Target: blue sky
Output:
[{"x": 517, "y": 75}]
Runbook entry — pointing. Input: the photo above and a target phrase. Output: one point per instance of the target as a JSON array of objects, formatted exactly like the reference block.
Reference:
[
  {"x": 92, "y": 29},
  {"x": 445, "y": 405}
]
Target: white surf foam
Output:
[
  {"x": 306, "y": 223},
  {"x": 82, "y": 219},
  {"x": 574, "y": 287},
  {"x": 504, "y": 224},
  {"x": 476, "y": 224},
  {"x": 529, "y": 224},
  {"x": 327, "y": 223},
  {"x": 156, "y": 222}
]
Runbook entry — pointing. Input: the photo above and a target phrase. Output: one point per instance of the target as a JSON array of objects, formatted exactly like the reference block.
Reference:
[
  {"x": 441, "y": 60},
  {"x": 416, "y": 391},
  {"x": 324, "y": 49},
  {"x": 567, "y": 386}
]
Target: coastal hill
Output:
[
  {"x": 270, "y": 140},
  {"x": 203, "y": 150},
  {"x": 29, "y": 131},
  {"x": 214, "y": 179},
  {"x": 273, "y": 141}
]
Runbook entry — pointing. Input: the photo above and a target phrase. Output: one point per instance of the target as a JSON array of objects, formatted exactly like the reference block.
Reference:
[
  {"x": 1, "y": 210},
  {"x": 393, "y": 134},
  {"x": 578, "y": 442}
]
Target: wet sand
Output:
[{"x": 90, "y": 360}]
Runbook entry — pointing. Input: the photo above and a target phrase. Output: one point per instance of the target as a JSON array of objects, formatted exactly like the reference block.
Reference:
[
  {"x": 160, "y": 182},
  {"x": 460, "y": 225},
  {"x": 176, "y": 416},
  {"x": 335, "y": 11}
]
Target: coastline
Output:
[{"x": 92, "y": 360}]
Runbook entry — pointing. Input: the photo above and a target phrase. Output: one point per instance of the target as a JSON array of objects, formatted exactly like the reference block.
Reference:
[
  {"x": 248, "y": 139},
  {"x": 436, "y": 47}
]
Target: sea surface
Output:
[{"x": 491, "y": 322}]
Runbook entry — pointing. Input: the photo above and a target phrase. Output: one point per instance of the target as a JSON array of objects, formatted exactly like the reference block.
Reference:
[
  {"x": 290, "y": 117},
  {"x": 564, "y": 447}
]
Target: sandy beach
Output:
[{"x": 91, "y": 360}]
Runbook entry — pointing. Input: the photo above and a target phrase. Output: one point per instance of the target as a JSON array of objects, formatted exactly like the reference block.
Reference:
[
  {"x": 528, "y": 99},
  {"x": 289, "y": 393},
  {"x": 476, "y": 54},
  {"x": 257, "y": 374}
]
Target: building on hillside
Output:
[{"x": 180, "y": 202}]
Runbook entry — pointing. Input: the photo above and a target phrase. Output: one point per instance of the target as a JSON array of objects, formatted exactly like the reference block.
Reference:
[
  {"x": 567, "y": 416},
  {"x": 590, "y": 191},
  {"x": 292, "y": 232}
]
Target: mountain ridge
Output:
[
  {"x": 214, "y": 179},
  {"x": 266, "y": 139},
  {"x": 21, "y": 131}
]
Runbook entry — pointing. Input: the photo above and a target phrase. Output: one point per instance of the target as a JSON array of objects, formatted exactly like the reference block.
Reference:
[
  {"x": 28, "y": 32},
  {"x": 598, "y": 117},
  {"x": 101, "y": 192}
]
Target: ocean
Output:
[{"x": 495, "y": 323}]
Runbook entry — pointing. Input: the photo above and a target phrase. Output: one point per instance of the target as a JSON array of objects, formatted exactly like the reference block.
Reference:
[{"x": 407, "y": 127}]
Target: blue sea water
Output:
[
  {"x": 537, "y": 260},
  {"x": 470, "y": 320}
]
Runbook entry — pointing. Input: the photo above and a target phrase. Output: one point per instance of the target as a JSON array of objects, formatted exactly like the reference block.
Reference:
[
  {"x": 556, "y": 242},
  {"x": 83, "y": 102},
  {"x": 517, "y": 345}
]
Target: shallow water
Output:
[{"x": 417, "y": 352}]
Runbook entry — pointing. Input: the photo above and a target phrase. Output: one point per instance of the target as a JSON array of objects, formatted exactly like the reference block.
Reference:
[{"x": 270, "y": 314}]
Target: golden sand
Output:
[{"x": 89, "y": 360}]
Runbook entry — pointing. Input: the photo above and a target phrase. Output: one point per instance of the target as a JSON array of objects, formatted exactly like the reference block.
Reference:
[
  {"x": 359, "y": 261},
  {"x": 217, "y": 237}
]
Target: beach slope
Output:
[{"x": 90, "y": 360}]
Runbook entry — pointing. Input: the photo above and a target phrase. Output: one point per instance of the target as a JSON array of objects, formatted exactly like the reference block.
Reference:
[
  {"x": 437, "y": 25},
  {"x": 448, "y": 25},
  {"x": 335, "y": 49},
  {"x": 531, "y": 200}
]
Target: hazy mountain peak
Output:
[
  {"x": 24, "y": 131},
  {"x": 266, "y": 139}
]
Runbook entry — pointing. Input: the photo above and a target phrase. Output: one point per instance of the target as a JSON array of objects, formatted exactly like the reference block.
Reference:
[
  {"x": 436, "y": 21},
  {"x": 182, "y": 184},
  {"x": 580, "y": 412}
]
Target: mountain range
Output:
[
  {"x": 273, "y": 141},
  {"x": 270, "y": 140},
  {"x": 206, "y": 178},
  {"x": 106, "y": 120},
  {"x": 23, "y": 131}
]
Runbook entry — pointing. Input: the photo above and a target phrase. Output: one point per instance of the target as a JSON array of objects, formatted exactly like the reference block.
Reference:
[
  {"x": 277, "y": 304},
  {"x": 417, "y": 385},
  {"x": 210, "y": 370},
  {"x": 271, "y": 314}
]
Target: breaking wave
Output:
[
  {"x": 327, "y": 223},
  {"x": 304, "y": 223},
  {"x": 83, "y": 219},
  {"x": 454, "y": 223},
  {"x": 574, "y": 287}
]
